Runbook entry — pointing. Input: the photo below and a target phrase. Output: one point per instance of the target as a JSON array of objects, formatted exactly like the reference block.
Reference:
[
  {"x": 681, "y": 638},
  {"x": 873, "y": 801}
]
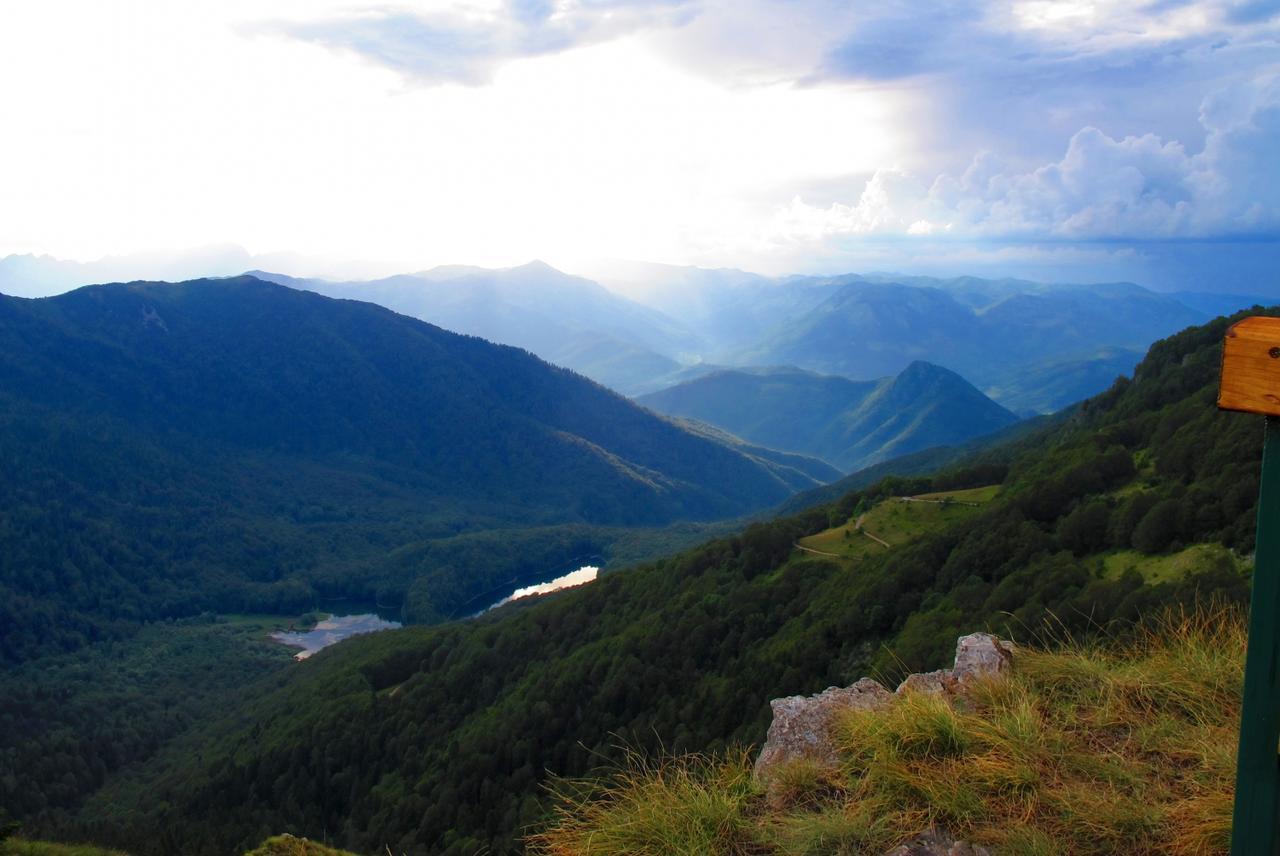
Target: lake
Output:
[
  {"x": 527, "y": 584},
  {"x": 333, "y": 629},
  {"x": 581, "y": 576}
]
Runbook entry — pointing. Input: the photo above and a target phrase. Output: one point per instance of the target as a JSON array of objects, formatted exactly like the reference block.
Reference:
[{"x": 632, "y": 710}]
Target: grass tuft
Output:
[{"x": 689, "y": 806}]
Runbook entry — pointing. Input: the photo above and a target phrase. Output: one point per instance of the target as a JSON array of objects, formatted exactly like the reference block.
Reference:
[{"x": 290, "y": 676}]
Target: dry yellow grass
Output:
[{"x": 1082, "y": 750}]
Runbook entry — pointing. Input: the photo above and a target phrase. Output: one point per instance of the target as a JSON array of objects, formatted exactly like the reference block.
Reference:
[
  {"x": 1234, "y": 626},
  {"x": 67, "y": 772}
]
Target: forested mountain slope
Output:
[
  {"x": 852, "y": 424},
  {"x": 235, "y": 445},
  {"x": 437, "y": 740}
]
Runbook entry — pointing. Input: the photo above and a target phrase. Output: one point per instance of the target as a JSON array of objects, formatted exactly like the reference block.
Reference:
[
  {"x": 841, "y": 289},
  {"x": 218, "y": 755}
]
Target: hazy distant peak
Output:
[
  {"x": 277, "y": 278},
  {"x": 919, "y": 369},
  {"x": 537, "y": 266},
  {"x": 441, "y": 272}
]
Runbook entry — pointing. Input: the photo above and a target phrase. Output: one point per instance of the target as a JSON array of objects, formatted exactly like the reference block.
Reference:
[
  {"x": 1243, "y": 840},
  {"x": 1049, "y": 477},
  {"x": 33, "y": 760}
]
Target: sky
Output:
[{"x": 1056, "y": 140}]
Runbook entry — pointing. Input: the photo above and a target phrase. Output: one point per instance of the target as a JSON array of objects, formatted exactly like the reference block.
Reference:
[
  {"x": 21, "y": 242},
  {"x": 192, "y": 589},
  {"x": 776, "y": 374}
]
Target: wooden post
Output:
[{"x": 1251, "y": 383}]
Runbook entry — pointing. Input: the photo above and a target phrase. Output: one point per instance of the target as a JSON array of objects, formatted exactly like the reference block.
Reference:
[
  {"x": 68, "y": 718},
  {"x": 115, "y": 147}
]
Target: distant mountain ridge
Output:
[
  {"x": 567, "y": 320},
  {"x": 852, "y": 424},
  {"x": 639, "y": 327},
  {"x": 995, "y": 332},
  {"x": 870, "y": 328}
]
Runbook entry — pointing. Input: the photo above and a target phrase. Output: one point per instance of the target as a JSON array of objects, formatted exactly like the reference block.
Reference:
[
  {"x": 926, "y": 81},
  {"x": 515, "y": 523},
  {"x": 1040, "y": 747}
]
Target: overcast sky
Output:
[{"x": 1059, "y": 139}]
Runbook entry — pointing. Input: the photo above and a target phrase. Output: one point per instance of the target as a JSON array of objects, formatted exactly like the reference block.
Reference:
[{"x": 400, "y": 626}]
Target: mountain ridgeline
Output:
[
  {"x": 440, "y": 739},
  {"x": 1034, "y": 348},
  {"x": 990, "y": 332},
  {"x": 852, "y": 424},
  {"x": 566, "y": 320},
  {"x": 234, "y": 445}
]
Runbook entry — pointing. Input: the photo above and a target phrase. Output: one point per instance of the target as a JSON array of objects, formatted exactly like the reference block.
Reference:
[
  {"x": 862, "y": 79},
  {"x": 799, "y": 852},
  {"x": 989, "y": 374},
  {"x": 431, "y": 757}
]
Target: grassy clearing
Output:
[
  {"x": 897, "y": 522},
  {"x": 1170, "y": 567},
  {"x": 1083, "y": 750},
  {"x": 843, "y": 541},
  {"x": 973, "y": 494}
]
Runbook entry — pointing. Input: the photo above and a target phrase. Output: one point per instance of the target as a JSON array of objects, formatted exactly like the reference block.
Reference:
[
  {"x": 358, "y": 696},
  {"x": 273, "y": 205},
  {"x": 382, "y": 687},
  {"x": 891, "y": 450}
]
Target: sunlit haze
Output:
[{"x": 1040, "y": 138}]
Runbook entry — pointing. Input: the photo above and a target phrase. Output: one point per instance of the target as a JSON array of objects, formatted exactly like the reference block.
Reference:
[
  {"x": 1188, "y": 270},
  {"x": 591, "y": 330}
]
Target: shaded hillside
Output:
[
  {"x": 1049, "y": 387},
  {"x": 436, "y": 740},
  {"x": 810, "y": 469},
  {"x": 566, "y": 320},
  {"x": 991, "y": 453},
  {"x": 730, "y": 309},
  {"x": 990, "y": 332},
  {"x": 852, "y": 424},
  {"x": 228, "y": 444}
]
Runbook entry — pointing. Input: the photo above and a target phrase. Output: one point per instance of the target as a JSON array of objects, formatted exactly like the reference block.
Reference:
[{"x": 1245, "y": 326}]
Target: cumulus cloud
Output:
[
  {"x": 465, "y": 45},
  {"x": 1138, "y": 187},
  {"x": 973, "y": 72},
  {"x": 977, "y": 71}
]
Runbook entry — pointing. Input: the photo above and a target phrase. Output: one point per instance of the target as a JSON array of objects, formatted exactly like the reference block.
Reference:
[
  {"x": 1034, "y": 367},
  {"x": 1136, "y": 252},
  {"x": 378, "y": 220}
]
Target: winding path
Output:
[
  {"x": 857, "y": 527},
  {"x": 800, "y": 546},
  {"x": 939, "y": 501}
]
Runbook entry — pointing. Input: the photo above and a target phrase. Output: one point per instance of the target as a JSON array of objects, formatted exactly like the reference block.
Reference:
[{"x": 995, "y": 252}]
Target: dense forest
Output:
[
  {"x": 234, "y": 445},
  {"x": 439, "y": 739}
]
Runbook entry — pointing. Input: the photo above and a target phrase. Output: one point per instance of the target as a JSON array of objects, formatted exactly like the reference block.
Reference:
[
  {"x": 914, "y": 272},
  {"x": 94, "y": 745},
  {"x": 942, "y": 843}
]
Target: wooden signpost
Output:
[{"x": 1251, "y": 383}]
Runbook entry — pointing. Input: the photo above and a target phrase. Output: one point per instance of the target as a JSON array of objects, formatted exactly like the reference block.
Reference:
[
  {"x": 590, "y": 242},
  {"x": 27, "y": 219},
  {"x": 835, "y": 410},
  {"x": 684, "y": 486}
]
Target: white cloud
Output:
[
  {"x": 668, "y": 130},
  {"x": 160, "y": 126},
  {"x": 1102, "y": 188},
  {"x": 462, "y": 43}
]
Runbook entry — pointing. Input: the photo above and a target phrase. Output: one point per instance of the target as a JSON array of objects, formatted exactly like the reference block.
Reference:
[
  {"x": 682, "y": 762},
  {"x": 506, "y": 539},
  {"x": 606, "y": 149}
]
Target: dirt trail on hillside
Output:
[
  {"x": 857, "y": 525},
  {"x": 800, "y": 546},
  {"x": 939, "y": 501}
]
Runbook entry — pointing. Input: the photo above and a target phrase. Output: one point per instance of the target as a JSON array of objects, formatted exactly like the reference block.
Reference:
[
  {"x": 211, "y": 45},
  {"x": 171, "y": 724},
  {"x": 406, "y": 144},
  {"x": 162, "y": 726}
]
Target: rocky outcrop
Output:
[
  {"x": 802, "y": 725},
  {"x": 801, "y": 728},
  {"x": 979, "y": 655}
]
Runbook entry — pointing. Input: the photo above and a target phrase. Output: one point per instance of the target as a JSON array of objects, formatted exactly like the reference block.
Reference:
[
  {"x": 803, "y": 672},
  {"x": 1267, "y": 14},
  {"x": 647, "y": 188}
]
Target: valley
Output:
[
  {"x": 639, "y": 428},
  {"x": 437, "y": 739},
  {"x": 252, "y": 464}
]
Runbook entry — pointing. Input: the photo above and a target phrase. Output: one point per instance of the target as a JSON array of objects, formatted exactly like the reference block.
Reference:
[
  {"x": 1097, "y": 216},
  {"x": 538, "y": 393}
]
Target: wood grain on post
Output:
[
  {"x": 1251, "y": 367},
  {"x": 1251, "y": 383}
]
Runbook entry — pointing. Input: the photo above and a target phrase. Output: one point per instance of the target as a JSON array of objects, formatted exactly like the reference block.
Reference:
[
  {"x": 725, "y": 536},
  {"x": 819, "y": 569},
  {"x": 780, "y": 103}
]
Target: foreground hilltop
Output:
[
  {"x": 440, "y": 740},
  {"x": 1072, "y": 749}
]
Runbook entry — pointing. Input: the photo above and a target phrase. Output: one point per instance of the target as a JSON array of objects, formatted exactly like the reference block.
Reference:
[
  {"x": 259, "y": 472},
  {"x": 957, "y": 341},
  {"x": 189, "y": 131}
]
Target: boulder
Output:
[
  {"x": 941, "y": 682},
  {"x": 981, "y": 654},
  {"x": 977, "y": 655},
  {"x": 801, "y": 727}
]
